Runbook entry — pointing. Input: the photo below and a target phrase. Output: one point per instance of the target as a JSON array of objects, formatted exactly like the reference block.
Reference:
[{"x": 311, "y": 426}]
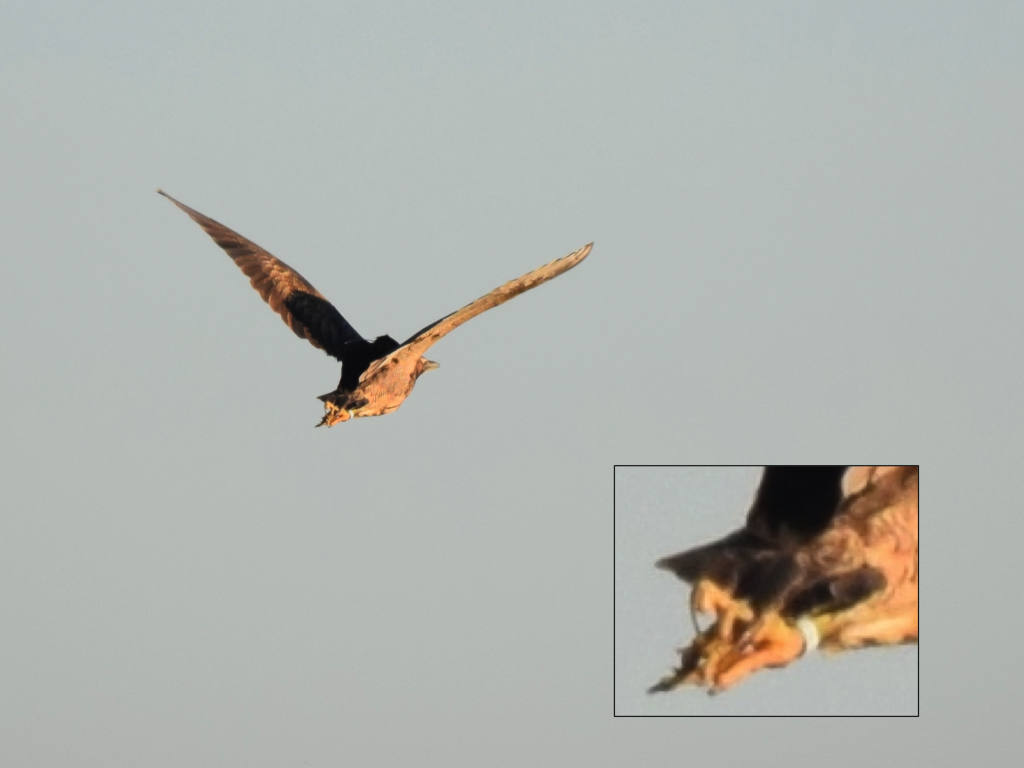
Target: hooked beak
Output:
[{"x": 429, "y": 365}]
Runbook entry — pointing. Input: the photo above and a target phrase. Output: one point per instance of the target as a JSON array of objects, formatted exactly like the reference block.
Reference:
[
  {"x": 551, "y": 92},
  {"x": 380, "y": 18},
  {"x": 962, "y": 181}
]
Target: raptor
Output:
[{"x": 376, "y": 376}]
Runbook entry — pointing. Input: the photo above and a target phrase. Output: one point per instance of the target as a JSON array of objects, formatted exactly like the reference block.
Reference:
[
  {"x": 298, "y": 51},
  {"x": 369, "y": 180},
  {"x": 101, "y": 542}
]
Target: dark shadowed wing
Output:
[
  {"x": 427, "y": 337},
  {"x": 792, "y": 505},
  {"x": 796, "y": 501},
  {"x": 288, "y": 293}
]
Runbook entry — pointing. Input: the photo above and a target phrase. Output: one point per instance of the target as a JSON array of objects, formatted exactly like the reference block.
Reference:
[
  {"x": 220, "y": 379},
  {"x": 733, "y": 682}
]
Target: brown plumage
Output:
[
  {"x": 376, "y": 376},
  {"x": 828, "y": 556}
]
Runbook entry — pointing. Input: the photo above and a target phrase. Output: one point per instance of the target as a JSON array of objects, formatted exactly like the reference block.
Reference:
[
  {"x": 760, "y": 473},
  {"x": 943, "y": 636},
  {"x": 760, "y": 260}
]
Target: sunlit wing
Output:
[{"x": 420, "y": 342}]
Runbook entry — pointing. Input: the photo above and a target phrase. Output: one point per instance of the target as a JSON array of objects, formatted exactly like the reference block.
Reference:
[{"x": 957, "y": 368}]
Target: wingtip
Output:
[
  {"x": 577, "y": 256},
  {"x": 176, "y": 202}
]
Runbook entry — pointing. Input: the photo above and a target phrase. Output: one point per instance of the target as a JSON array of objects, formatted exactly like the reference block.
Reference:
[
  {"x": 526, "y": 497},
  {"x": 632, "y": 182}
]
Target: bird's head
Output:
[{"x": 425, "y": 365}]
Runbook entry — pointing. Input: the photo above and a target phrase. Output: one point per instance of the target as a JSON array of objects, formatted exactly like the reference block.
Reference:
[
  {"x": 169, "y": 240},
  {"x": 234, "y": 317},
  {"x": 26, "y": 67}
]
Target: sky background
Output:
[
  {"x": 807, "y": 226},
  {"x": 654, "y": 508}
]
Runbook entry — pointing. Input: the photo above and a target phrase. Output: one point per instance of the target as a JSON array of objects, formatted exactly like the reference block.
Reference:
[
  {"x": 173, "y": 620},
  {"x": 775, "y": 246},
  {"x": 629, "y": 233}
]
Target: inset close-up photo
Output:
[{"x": 781, "y": 566}]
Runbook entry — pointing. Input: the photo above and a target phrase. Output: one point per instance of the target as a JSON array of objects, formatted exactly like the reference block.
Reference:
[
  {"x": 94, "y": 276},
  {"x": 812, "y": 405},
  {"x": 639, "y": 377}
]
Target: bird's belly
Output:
[{"x": 385, "y": 394}]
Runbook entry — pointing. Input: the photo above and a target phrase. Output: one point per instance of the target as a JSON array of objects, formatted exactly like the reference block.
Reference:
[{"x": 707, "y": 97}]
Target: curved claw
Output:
[
  {"x": 689, "y": 669},
  {"x": 734, "y": 647},
  {"x": 770, "y": 642},
  {"x": 333, "y": 414},
  {"x": 747, "y": 639}
]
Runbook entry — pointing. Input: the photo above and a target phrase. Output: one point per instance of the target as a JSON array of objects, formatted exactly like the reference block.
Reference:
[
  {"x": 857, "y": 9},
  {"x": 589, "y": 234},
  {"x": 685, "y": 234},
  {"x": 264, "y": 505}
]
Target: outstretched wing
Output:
[
  {"x": 421, "y": 341},
  {"x": 300, "y": 305}
]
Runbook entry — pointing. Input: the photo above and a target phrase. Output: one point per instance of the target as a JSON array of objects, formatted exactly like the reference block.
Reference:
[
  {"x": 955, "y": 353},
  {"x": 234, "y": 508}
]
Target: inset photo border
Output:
[{"x": 805, "y": 598}]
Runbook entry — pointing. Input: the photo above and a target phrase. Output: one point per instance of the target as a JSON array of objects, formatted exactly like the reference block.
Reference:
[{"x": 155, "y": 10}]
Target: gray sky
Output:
[
  {"x": 806, "y": 217},
  {"x": 663, "y": 510}
]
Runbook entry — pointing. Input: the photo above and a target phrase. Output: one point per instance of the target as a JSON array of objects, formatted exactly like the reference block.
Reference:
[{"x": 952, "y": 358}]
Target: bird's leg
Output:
[
  {"x": 770, "y": 642},
  {"x": 333, "y": 413},
  {"x": 721, "y": 656},
  {"x": 703, "y": 656},
  {"x": 696, "y": 661},
  {"x": 708, "y": 597},
  {"x": 720, "y": 646}
]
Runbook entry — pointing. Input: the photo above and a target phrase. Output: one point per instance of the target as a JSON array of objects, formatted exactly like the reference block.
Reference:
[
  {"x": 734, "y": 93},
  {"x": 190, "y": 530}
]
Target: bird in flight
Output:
[
  {"x": 828, "y": 558},
  {"x": 377, "y": 375}
]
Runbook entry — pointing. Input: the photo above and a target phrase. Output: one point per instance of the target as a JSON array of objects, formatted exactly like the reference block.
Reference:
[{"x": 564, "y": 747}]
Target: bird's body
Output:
[
  {"x": 828, "y": 557},
  {"x": 383, "y": 387},
  {"x": 377, "y": 376}
]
